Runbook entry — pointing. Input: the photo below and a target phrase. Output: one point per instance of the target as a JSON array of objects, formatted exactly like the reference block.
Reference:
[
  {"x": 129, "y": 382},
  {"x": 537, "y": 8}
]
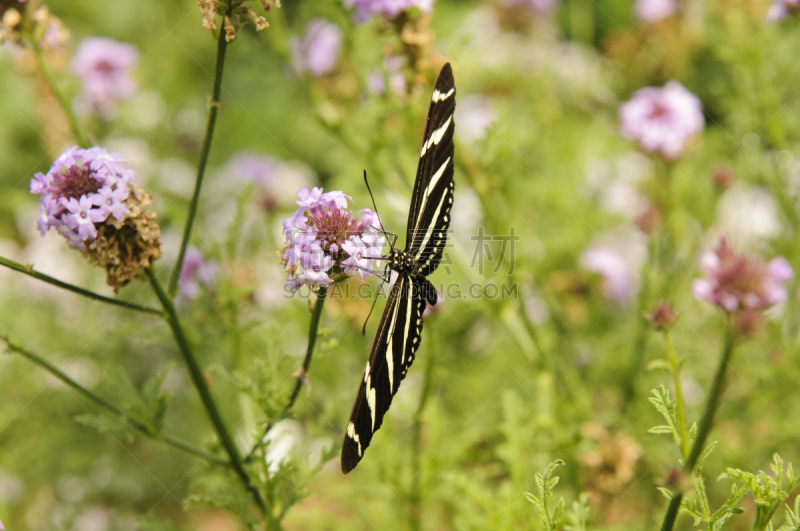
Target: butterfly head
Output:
[{"x": 401, "y": 261}]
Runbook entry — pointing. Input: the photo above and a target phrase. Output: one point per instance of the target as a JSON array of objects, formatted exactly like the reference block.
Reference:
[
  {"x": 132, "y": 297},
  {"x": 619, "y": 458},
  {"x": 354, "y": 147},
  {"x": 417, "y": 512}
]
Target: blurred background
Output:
[{"x": 611, "y": 212}]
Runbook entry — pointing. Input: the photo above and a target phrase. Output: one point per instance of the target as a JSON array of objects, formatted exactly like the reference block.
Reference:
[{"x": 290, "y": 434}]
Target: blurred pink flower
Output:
[
  {"x": 738, "y": 283},
  {"x": 620, "y": 282},
  {"x": 475, "y": 116},
  {"x": 196, "y": 271},
  {"x": 780, "y": 9},
  {"x": 654, "y": 10},
  {"x": 436, "y": 308},
  {"x": 662, "y": 120},
  {"x": 318, "y": 51},
  {"x": 105, "y": 68},
  {"x": 385, "y": 8}
]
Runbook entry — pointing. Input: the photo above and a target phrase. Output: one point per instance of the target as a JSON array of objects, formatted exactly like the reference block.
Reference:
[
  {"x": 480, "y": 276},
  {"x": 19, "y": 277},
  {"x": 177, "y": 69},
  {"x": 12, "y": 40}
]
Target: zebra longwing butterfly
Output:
[{"x": 399, "y": 332}]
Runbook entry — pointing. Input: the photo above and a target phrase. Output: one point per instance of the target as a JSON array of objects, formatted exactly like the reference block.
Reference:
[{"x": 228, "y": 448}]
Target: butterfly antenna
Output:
[
  {"x": 375, "y": 206},
  {"x": 364, "y": 328}
]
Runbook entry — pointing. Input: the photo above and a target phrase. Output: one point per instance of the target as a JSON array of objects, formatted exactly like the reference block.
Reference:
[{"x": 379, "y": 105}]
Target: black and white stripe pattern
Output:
[{"x": 399, "y": 332}]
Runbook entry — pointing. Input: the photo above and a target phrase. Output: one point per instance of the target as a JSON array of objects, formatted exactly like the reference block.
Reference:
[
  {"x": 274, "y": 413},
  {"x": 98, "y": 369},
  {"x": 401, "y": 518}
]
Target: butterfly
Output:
[{"x": 399, "y": 332}]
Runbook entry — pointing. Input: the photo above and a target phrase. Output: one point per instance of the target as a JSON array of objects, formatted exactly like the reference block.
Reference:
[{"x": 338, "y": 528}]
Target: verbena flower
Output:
[
  {"x": 105, "y": 68},
  {"x": 318, "y": 51},
  {"x": 385, "y": 8},
  {"x": 325, "y": 238},
  {"x": 392, "y": 66},
  {"x": 780, "y": 9},
  {"x": 196, "y": 272},
  {"x": 662, "y": 317},
  {"x": 275, "y": 180},
  {"x": 654, "y": 10},
  {"x": 662, "y": 120},
  {"x": 620, "y": 282},
  {"x": 741, "y": 285},
  {"x": 88, "y": 197}
]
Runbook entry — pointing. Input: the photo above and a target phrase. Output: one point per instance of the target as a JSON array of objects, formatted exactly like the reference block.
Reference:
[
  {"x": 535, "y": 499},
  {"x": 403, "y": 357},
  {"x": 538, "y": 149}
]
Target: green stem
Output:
[
  {"x": 202, "y": 388},
  {"x": 83, "y": 140},
  {"x": 706, "y": 422},
  {"x": 17, "y": 347},
  {"x": 676, "y": 374},
  {"x": 313, "y": 330},
  {"x": 201, "y": 168},
  {"x": 28, "y": 270},
  {"x": 416, "y": 431}
]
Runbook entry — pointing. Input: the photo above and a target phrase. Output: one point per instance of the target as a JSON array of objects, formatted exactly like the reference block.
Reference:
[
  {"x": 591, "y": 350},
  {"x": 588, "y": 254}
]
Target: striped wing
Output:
[
  {"x": 429, "y": 216},
  {"x": 393, "y": 351}
]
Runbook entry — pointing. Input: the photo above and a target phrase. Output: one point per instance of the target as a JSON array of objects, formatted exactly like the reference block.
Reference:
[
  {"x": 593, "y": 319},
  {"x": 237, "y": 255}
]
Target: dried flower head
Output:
[
  {"x": 91, "y": 200},
  {"x": 105, "y": 68},
  {"x": 30, "y": 22},
  {"x": 741, "y": 285},
  {"x": 318, "y": 51},
  {"x": 324, "y": 238},
  {"x": 610, "y": 464},
  {"x": 234, "y": 17},
  {"x": 662, "y": 120},
  {"x": 662, "y": 317}
]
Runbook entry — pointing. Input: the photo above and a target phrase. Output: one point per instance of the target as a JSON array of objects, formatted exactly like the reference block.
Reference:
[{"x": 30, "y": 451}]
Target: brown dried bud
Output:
[
  {"x": 649, "y": 220},
  {"x": 662, "y": 317},
  {"x": 723, "y": 178}
]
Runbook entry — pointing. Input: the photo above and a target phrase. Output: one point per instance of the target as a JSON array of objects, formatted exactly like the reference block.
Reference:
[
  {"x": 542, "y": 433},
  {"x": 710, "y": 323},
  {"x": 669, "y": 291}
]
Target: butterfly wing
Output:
[
  {"x": 429, "y": 216},
  {"x": 393, "y": 350}
]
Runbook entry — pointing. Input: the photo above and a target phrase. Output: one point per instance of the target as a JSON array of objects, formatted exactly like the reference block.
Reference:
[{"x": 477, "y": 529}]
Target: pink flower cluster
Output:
[
  {"x": 82, "y": 188},
  {"x": 737, "y": 283},
  {"x": 662, "y": 120},
  {"x": 535, "y": 6},
  {"x": 105, "y": 68},
  {"x": 385, "y": 8},
  {"x": 323, "y": 236}
]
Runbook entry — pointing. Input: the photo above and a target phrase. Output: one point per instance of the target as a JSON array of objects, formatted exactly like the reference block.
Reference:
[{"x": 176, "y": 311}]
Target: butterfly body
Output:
[{"x": 399, "y": 333}]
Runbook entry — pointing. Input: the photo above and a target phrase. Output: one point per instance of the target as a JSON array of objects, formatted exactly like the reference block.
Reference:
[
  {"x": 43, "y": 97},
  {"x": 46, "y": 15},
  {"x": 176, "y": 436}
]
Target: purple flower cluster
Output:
[
  {"x": 82, "y": 188},
  {"x": 385, "y": 8},
  {"x": 397, "y": 81},
  {"x": 323, "y": 236},
  {"x": 662, "y": 120},
  {"x": 780, "y": 9},
  {"x": 737, "y": 283},
  {"x": 105, "y": 68},
  {"x": 318, "y": 51},
  {"x": 194, "y": 272},
  {"x": 654, "y": 10}
]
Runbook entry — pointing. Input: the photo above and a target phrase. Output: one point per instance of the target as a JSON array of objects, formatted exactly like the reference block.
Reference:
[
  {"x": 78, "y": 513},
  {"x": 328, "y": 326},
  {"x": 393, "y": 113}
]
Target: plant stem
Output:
[
  {"x": 83, "y": 140},
  {"x": 28, "y": 270},
  {"x": 201, "y": 168},
  {"x": 313, "y": 330},
  {"x": 202, "y": 388},
  {"x": 706, "y": 423},
  {"x": 714, "y": 399},
  {"x": 17, "y": 347},
  {"x": 676, "y": 374},
  {"x": 416, "y": 430}
]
